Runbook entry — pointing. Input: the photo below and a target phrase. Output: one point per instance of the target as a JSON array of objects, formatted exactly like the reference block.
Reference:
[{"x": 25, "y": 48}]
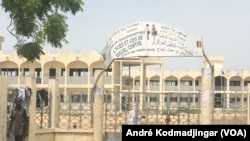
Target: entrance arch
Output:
[
  {"x": 153, "y": 39},
  {"x": 150, "y": 39}
]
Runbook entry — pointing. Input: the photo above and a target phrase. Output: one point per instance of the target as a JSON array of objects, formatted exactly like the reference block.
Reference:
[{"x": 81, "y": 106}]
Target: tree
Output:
[{"x": 34, "y": 22}]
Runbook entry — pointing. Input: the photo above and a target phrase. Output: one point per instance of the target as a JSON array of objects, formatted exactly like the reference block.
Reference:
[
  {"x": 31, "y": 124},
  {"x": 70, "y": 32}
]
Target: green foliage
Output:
[
  {"x": 34, "y": 22},
  {"x": 55, "y": 29},
  {"x": 30, "y": 50}
]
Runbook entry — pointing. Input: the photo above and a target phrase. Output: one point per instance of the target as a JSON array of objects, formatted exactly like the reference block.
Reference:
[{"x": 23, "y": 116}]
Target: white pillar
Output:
[
  {"x": 98, "y": 107},
  {"x": 3, "y": 107},
  {"x": 54, "y": 95},
  {"x": 30, "y": 82},
  {"x": 206, "y": 96}
]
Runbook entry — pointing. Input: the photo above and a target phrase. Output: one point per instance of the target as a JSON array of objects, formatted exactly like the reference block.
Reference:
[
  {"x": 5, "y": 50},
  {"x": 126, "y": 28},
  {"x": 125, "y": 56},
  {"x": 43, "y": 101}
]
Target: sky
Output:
[{"x": 223, "y": 25}]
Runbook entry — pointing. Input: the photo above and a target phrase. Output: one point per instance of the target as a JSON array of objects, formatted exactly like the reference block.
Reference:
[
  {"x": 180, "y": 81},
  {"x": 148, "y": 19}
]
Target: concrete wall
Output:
[
  {"x": 50, "y": 134},
  {"x": 44, "y": 135},
  {"x": 74, "y": 136},
  {"x": 64, "y": 135},
  {"x": 56, "y": 134},
  {"x": 3, "y": 107}
]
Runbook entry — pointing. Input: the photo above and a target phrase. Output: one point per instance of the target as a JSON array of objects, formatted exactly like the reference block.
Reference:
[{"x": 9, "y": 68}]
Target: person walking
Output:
[
  {"x": 133, "y": 118},
  {"x": 18, "y": 121}
]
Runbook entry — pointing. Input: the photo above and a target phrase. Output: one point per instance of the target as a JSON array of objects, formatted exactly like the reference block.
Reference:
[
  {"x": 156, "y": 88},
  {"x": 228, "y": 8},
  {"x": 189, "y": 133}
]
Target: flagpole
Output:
[
  {"x": 222, "y": 74},
  {"x": 220, "y": 83}
]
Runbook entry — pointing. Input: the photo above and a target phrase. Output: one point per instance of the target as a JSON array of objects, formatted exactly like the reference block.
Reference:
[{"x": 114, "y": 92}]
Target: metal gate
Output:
[
  {"x": 230, "y": 108},
  {"x": 157, "y": 108},
  {"x": 75, "y": 110},
  {"x": 173, "y": 108}
]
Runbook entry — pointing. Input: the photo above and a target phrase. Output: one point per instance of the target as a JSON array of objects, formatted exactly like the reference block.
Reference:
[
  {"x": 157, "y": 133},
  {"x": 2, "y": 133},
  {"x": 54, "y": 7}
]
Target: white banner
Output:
[{"x": 150, "y": 39}]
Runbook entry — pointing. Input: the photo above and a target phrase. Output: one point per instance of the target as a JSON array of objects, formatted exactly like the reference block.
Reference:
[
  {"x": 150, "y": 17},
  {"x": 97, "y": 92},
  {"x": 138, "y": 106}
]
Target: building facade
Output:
[{"x": 76, "y": 74}]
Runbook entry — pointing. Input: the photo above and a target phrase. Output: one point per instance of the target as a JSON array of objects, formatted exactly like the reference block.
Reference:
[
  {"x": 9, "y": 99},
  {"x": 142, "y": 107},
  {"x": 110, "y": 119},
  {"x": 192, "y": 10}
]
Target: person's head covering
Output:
[{"x": 135, "y": 107}]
